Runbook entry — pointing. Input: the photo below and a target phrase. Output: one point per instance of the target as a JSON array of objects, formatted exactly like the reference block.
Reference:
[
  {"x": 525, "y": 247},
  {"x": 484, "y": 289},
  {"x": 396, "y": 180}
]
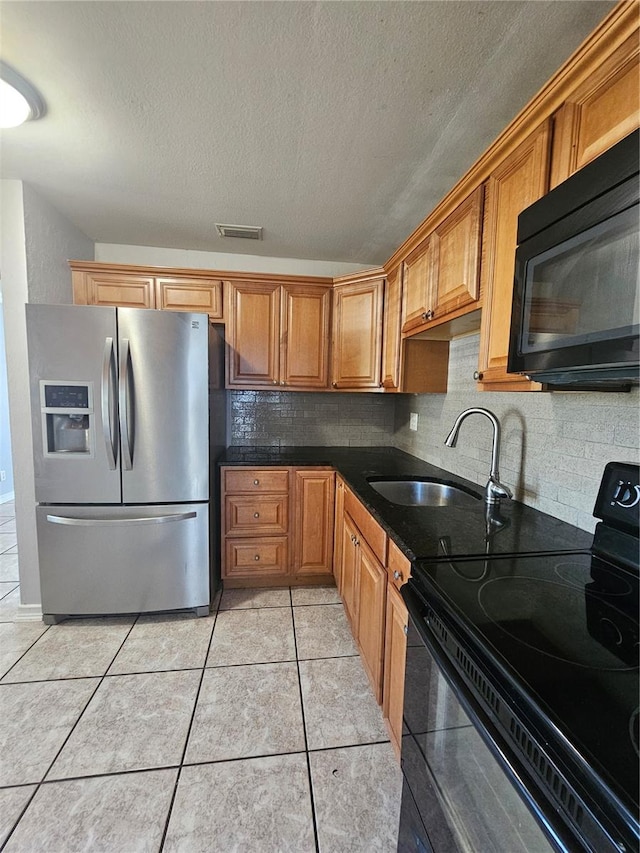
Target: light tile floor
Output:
[{"x": 253, "y": 729}]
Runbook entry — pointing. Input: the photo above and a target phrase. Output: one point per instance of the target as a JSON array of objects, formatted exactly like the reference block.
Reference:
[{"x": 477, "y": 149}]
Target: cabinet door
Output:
[
  {"x": 337, "y": 533},
  {"x": 456, "y": 246},
  {"x": 190, "y": 294},
  {"x": 357, "y": 335},
  {"x": 313, "y": 493},
  {"x": 391, "y": 331},
  {"x": 395, "y": 653},
  {"x": 599, "y": 113},
  {"x": 371, "y": 587},
  {"x": 348, "y": 571},
  {"x": 254, "y": 335},
  {"x": 130, "y": 291},
  {"x": 418, "y": 271},
  {"x": 519, "y": 181},
  {"x": 305, "y": 335}
]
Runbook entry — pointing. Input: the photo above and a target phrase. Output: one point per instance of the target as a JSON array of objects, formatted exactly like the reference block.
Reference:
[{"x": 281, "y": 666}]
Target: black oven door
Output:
[{"x": 457, "y": 795}]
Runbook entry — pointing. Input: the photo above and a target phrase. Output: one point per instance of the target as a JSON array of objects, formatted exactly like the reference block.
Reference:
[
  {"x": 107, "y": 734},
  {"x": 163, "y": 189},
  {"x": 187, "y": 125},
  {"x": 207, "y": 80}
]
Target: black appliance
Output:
[
  {"x": 521, "y": 695},
  {"x": 576, "y": 312}
]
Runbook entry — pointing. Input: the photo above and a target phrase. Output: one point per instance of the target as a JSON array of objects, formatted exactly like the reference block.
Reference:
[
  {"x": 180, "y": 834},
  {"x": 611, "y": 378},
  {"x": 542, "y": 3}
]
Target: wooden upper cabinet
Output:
[
  {"x": 179, "y": 294},
  {"x": 521, "y": 179},
  {"x": 418, "y": 273},
  {"x": 305, "y": 336},
  {"x": 391, "y": 331},
  {"x": 253, "y": 334},
  {"x": 600, "y": 112},
  {"x": 130, "y": 291},
  {"x": 357, "y": 334},
  {"x": 456, "y": 250}
]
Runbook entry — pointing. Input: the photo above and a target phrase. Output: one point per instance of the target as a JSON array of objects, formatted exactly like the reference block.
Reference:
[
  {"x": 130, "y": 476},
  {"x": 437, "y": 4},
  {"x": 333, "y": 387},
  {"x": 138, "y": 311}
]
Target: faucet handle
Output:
[{"x": 495, "y": 490}]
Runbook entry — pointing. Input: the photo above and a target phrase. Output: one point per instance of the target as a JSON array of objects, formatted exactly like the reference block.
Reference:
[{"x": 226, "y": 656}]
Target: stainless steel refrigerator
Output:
[{"x": 120, "y": 416}]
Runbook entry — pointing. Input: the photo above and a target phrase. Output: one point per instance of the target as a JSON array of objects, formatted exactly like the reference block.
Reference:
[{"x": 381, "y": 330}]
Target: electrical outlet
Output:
[
  {"x": 3, "y": 476},
  {"x": 413, "y": 421}
]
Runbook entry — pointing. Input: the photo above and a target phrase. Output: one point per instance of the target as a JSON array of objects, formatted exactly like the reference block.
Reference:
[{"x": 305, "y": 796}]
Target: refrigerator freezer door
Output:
[
  {"x": 72, "y": 349},
  {"x": 164, "y": 419},
  {"x": 137, "y": 559}
]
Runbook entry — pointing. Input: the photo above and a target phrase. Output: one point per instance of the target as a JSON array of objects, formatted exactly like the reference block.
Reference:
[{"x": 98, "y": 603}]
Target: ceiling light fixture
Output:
[
  {"x": 245, "y": 232},
  {"x": 19, "y": 101}
]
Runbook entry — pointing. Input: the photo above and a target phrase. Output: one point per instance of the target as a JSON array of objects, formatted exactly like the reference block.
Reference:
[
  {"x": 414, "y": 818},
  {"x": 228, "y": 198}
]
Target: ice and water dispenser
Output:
[{"x": 67, "y": 418}]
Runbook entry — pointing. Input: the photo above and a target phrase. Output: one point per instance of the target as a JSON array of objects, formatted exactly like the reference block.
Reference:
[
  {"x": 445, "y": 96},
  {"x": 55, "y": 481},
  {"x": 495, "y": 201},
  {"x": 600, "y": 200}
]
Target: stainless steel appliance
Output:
[
  {"x": 521, "y": 695},
  {"x": 119, "y": 402},
  {"x": 576, "y": 305}
]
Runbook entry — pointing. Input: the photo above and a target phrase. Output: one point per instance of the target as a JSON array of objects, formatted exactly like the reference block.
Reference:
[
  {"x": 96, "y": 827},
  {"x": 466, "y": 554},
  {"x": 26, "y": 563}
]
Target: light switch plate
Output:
[{"x": 413, "y": 421}]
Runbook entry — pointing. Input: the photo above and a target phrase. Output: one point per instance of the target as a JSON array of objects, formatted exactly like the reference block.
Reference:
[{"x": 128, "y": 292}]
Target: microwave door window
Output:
[{"x": 585, "y": 289}]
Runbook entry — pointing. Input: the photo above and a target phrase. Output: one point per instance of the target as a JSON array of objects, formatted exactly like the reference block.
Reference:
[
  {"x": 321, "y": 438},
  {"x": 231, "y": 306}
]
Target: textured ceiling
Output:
[{"x": 337, "y": 126}]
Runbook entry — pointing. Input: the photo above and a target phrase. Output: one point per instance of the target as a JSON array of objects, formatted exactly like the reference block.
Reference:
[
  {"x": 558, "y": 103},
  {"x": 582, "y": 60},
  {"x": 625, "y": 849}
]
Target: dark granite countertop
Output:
[{"x": 427, "y": 532}]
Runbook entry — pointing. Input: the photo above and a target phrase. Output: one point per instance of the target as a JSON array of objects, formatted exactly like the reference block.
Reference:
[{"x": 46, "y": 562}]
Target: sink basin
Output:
[{"x": 416, "y": 492}]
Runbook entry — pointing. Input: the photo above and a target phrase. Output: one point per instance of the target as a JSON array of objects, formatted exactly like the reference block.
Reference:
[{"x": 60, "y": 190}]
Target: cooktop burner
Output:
[
  {"x": 550, "y": 618},
  {"x": 572, "y": 571}
]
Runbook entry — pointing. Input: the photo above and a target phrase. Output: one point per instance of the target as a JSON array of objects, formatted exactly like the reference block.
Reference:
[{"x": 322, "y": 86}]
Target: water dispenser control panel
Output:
[{"x": 67, "y": 418}]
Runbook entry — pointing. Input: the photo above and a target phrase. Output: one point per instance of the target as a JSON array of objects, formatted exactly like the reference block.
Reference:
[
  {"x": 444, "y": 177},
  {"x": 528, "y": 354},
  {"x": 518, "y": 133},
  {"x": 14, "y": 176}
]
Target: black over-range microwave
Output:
[{"x": 576, "y": 307}]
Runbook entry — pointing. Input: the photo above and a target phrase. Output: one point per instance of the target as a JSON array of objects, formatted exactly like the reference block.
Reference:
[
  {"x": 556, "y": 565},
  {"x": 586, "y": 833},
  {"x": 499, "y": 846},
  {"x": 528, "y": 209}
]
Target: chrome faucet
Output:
[{"x": 494, "y": 489}]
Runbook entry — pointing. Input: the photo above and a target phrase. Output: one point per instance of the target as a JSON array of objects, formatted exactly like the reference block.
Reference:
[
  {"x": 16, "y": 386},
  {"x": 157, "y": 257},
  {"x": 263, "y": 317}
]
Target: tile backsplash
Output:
[
  {"x": 554, "y": 445},
  {"x": 284, "y": 418}
]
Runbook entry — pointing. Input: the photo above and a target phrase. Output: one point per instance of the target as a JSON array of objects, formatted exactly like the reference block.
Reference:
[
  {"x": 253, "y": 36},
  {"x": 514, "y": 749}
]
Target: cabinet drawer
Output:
[
  {"x": 262, "y": 514},
  {"x": 255, "y": 557},
  {"x": 368, "y": 526},
  {"x": 251, "y": 480},
  {"x": 398, "y": 566}
]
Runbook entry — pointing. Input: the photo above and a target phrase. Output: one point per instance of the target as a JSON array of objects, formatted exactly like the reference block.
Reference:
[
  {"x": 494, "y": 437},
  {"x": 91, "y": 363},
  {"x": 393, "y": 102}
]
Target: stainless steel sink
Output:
[{"x": 416, "y": 492}]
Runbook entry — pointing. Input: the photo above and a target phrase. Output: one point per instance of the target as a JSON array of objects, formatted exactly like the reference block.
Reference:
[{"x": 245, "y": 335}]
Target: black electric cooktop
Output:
[{"x": 560, "y": 633}]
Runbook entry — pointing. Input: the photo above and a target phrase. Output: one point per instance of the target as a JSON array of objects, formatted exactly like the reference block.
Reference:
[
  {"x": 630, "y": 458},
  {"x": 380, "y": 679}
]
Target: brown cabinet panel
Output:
[
  {"x": 600, "y": 112},
  {"x": 305, "y": 337},
  {"x": 418, "y": 275},
  {"x": 456, "y": 245},
  {"x": 357, "y": 338},
  {"x": 395, "y": 653},
  {"x": 371, "y": 592},
  {"x": 337, "y": 533},
  {"x": 349, "y": 570},
  {"x": 179, "y": 294},
  {"x": 398, "y": 566},
  {"x": 521, "y": 179},
  {"x": 250, "y": 558},
  {"x": 391, "y": 365},
  {"x": 260, "y": 515},
  {"x": 369, "y": 527},
  {"x": 252, "y": 480},
  {"x": 129, "y": 291},
  {"x": 314, "y": 495},
  {"x": 253, "y": 335}
]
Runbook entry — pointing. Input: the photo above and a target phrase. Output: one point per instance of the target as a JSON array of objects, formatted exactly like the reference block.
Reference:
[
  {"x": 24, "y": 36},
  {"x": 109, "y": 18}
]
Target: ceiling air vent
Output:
[{"x": 245, "y": 232}]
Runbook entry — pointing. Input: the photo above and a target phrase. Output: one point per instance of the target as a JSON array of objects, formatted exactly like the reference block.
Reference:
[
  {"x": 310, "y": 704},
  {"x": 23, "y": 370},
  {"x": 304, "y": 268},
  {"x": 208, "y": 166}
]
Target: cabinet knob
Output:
[
  {"x": 428, "y": 315},
  {"x": 405, "y": 628},
  {"x": 257, "y": 557},
  {"x": 477, "y": 375},
  {"x": 282, "y": 382},
  {"x": 397, "y": 575},
  {"x": 334, "y": 384},
  {"x": 256, "y": 482},
  {"x": 256, "y": 515}
]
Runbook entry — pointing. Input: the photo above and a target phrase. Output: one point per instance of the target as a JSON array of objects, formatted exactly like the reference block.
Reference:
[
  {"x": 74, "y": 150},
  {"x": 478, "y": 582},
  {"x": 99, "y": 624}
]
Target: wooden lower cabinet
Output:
[
  {"x": 348, "y": 570},
  {"x": 277, "y": 526},
  {"x": 395, "y": 653},
  {"x": 371, "y": 599}
]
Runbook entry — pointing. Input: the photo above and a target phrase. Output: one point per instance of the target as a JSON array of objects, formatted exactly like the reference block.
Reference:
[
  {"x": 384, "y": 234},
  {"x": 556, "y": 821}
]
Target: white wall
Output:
[
  {"x": 554, "y": 444},
  {"x": 186, "y": 258},
  {"x": 36, "y": 241}
]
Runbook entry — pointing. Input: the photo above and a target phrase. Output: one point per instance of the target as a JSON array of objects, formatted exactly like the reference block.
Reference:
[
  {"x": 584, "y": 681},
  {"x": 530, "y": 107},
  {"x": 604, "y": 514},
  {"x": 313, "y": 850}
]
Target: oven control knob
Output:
[{"x": 626, "y": 494}]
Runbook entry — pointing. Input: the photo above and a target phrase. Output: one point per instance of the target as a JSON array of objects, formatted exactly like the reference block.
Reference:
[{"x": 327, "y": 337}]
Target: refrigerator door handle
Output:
[
  {"x": 93, "y": 522},
  {"x": 108, "y": 370},
  {"x": 123, "y": 393}
]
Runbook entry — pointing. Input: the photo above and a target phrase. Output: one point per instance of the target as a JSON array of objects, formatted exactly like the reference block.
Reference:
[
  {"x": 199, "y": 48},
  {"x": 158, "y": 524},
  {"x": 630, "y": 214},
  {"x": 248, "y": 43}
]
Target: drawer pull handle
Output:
[
  {"x": 256, "y": 482},
  {"x": 397, "y": 576},
  {"x": 256, "y": 515},
  {"x": 257, "y": 557}
]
